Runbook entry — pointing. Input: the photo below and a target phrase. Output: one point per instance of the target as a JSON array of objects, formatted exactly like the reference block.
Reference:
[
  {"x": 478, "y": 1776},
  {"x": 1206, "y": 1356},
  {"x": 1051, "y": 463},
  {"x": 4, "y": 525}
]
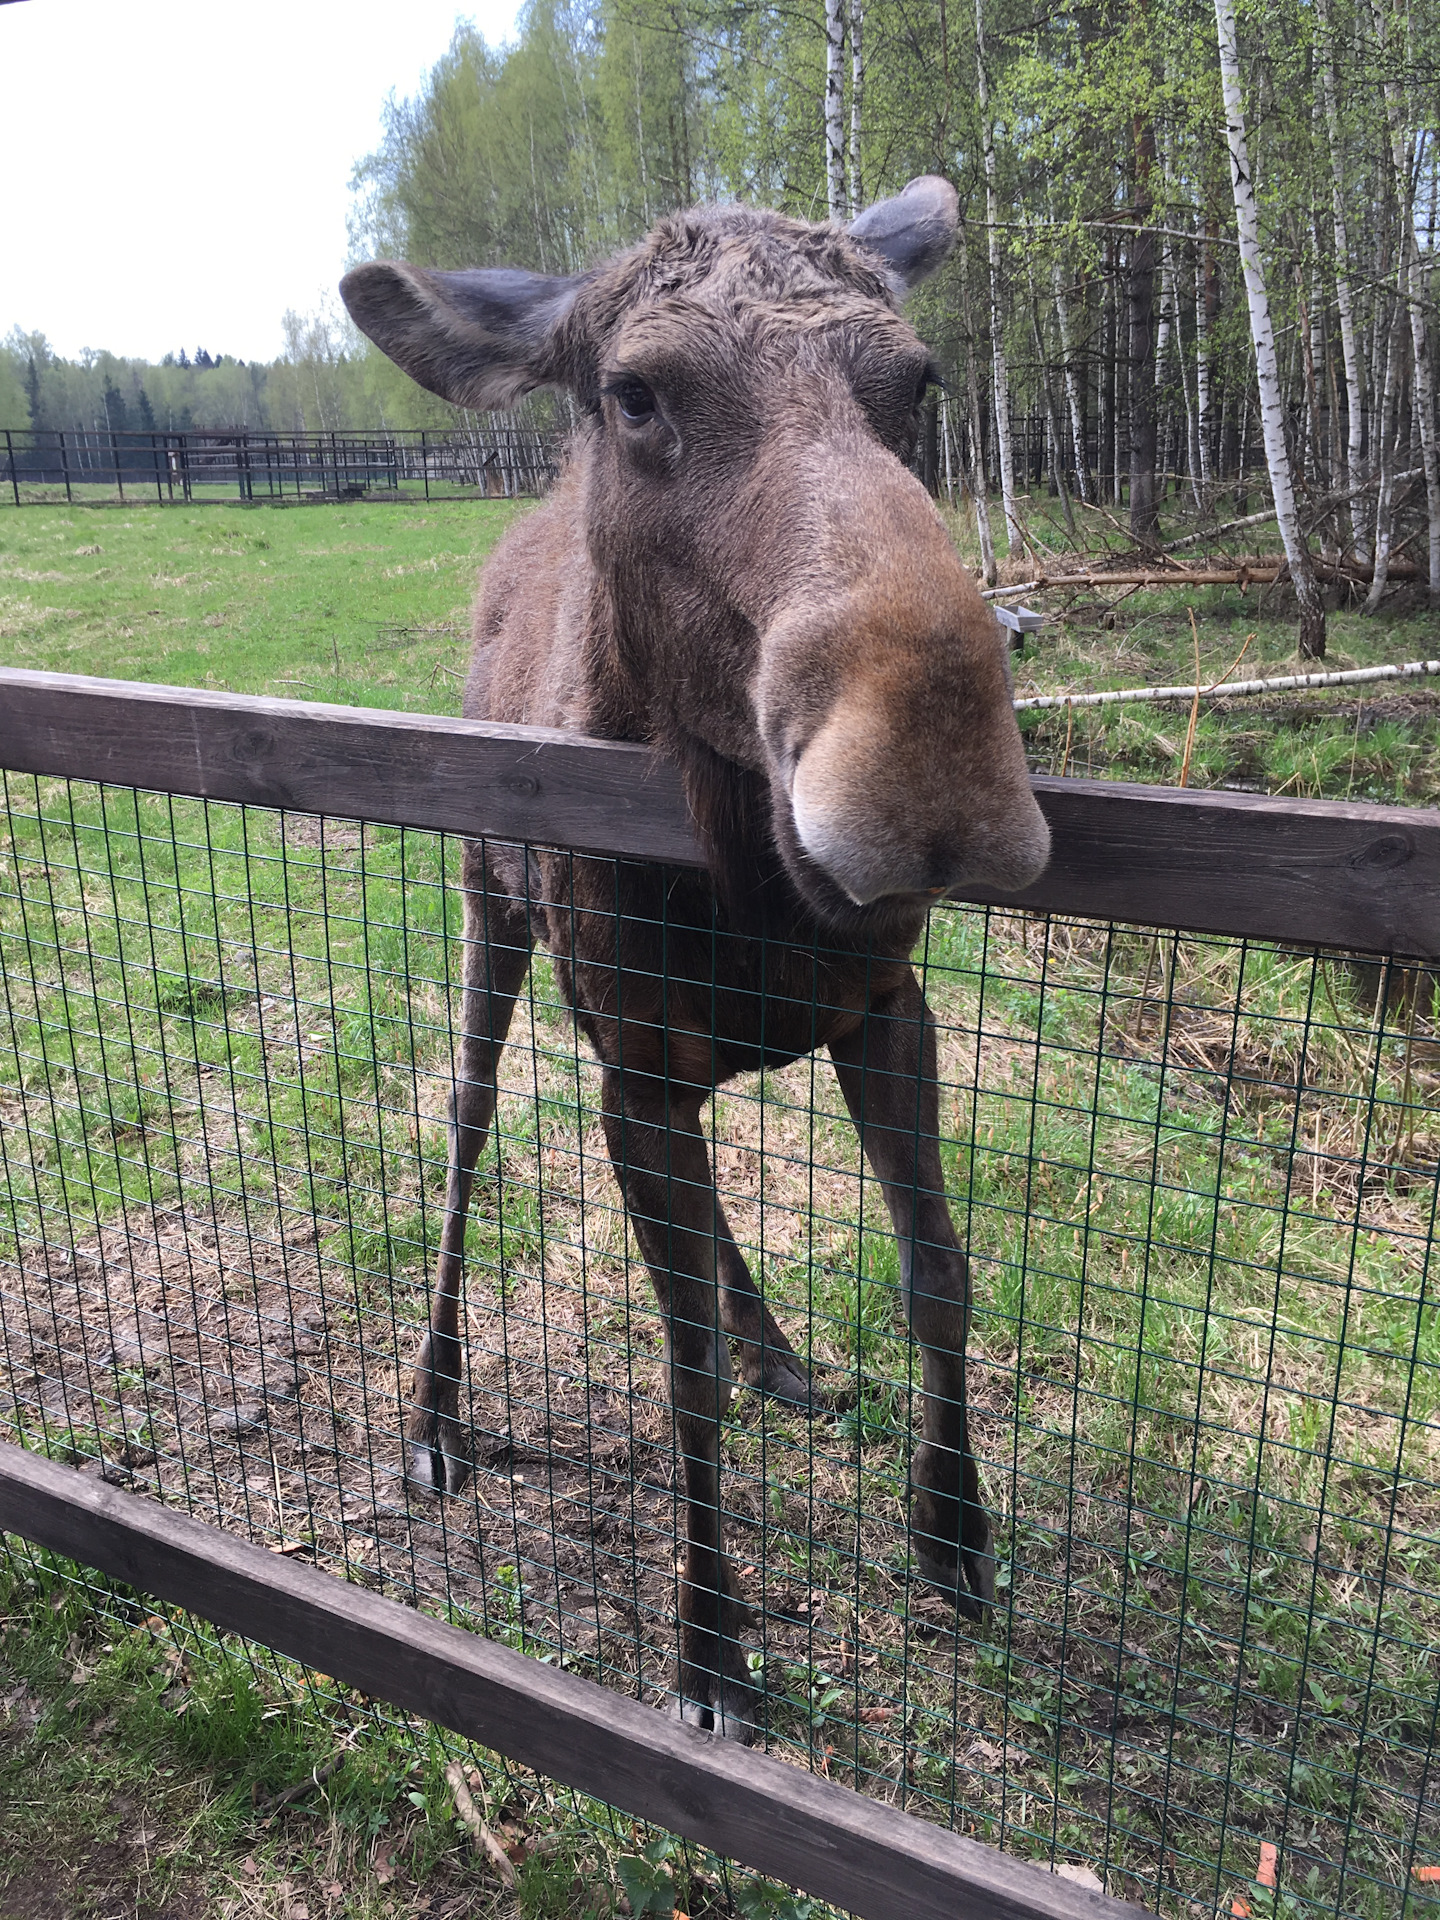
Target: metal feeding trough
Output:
[{"x": 1020, "y": 621}]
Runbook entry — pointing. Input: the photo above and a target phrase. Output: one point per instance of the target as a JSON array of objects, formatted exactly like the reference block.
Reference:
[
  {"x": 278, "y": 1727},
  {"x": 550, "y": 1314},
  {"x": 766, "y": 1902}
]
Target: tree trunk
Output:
[
  {"x": 1272, "y": 416},
  {"x": 1412, "y": 290},
  {"x": 1382, "y": 457},
  {"x": 1206, "y": 301},
  {"x": 1001, "y": 377},
  {"x": 857, "y": 97},
  {"x": 1073, "y": 393},
  {"x": 1192, "y": 438},
  {"x": 1350, "y": 359},
  {"x": 1144, "y": 505},
  {"x": 1052, "y": 414},
  {"x": 979, "y": 482},
  {"x": 835, "y": 108},
  {"x": 1108, "y": 352}
]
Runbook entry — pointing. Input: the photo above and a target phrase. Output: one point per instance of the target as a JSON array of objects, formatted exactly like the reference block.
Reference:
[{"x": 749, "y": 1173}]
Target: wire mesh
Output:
[{"x": 1196, "y": 1178}]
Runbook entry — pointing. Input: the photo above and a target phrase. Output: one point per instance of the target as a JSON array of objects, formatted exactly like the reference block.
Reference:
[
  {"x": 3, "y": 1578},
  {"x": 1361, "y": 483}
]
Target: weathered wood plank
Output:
[
  {"x": 405, "y": 769},
  {"x": 1317, "y": 872},
  {"x": 867, "y": 1858}
]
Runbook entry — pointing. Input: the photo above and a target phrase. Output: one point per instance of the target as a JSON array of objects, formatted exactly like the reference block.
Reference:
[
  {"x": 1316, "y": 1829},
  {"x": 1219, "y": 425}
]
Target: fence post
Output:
[
  {"x": 425, "y": 462},
  {"x": 64, "y": 464},
  {"x": 10, "y": 455},
  {"x": 155, "y": 462},
  {"x": 115, "y": 462}
]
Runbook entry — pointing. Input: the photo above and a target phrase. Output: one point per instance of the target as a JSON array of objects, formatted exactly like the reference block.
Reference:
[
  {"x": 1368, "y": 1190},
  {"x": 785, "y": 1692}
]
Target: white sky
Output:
[{"x": 177, "y": 170}]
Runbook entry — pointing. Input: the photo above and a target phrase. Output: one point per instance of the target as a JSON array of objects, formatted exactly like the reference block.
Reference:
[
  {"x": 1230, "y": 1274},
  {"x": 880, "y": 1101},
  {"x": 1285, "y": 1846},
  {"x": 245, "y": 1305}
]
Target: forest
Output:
[{"x": 1196, "y": 273}]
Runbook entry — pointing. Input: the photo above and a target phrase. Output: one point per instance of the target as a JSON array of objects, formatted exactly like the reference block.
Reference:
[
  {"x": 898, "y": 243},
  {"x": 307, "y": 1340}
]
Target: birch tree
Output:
[
  {"x": 1262, "y": 333},
  {"x": 1000, "y": 372},
  {"x": 1350, "y": 470},
  {"x": 1073, "y": 394},
  {"x": 1411, "y": 284},
  {"x": 835, "y": 108},
  {"x": 857, "y": 98},
  {"x": 979, "y": 481}
]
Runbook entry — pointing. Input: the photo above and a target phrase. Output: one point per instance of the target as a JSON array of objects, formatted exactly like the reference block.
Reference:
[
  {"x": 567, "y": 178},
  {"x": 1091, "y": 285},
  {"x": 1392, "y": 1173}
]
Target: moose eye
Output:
[
  {"x": 634, "y": 399},
  {"x": 928, "y": 379}
]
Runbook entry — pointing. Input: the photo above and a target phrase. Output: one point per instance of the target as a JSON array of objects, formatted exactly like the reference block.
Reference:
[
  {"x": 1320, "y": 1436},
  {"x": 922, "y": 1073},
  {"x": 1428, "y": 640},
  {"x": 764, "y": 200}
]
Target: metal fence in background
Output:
[
  {"x": 84, "y": 464},
  {"x": 1196, "y": 1175}
]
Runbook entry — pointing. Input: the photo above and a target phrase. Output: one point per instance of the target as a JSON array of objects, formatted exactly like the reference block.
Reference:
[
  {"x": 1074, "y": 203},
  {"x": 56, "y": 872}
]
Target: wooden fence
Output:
[{"x": 1315, "y": 873}]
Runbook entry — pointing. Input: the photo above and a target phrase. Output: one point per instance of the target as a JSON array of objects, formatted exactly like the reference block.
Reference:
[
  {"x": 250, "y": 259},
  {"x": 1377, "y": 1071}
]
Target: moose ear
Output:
[
  {"x": 913, "y": 232},
  {"x": 478, "y": 339}
]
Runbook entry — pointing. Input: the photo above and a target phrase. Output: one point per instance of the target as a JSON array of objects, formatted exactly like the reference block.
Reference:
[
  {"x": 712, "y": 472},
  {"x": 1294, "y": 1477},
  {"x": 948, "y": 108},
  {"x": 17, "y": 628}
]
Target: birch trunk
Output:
[
  {"x": 979, "y": 482},
  {"x": 857, "y": 98},
  {"x": 1344, "y": 305},
  {"x": 1272, "y": 416},
  {"x": 1386, "y": 436},
  {"x": 1106, "y": 375},
  {"x": 1412, "y": 290},
  {"x": 1073, "y": 395},
  {"x": 1192, "y": 442},
  {"x": 1052, "y": 414},
  {"x": 1001, "y": 374},
  {"x": 835, "y": 108},
  {"x": 1204, "y": 299},
  {"x": 1144, "y": 503}
]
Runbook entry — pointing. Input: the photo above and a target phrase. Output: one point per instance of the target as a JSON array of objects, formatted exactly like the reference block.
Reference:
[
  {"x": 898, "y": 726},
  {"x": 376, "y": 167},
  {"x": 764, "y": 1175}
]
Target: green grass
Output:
[
  {"x": 364, "y": 605},
  {"x": 146, "y": 1762},
  {"x": 1197, "y": 1183}
]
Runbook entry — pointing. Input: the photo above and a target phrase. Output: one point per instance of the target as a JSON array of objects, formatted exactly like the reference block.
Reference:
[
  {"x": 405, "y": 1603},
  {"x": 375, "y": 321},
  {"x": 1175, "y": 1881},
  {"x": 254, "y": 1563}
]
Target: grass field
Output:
[{"x": 1197, "y": 1182}]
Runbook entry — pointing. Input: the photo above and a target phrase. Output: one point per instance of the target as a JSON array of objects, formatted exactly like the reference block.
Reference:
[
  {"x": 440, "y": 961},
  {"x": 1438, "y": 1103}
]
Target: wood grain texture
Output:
[
  {"x": 404, "y": 769},
  {"x": 1315, "y": 872},
  {"x": 865, "y": 1857},
  {"x": 1311, "y": 872}
]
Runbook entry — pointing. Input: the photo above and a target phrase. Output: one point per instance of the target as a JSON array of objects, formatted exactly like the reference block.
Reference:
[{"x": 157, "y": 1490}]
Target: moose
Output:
[{"x": 738, "y": 569}]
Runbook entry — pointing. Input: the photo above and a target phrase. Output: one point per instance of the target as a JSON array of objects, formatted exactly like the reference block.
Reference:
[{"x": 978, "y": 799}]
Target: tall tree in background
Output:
[
  {"x": 1144, "y": 503},
  {"x": 1350, "y": 466},
  {"x": 835, "y": 108},
  {"x": 857, "y": 98},
  {"x": 1411, "y": 286},
  {"x": 999, "y": 364},
  {"x": 1272, "y": 410}
]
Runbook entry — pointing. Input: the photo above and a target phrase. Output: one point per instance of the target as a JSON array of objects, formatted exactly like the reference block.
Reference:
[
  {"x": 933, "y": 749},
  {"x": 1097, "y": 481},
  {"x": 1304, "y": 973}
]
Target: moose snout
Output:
[{"x": 883, "y": 814}]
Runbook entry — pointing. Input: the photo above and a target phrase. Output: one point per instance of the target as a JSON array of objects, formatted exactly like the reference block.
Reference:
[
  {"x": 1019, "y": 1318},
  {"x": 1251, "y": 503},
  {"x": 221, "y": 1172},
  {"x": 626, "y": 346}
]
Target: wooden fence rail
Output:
[
  {"x": 866, "y": 1857},
  {"x": 1314, "y": 872}
]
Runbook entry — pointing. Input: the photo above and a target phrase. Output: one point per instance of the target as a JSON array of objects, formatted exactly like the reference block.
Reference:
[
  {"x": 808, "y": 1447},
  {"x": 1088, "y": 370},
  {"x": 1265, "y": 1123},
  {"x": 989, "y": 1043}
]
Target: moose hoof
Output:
[
  {"x": 967, "y": 1582},
  {"x": 436, "y": 1466},
  {"x": 728, "y": 1710},
  {"x": 784, "y": 1378},
  {"x": 437, "y": 1458}
]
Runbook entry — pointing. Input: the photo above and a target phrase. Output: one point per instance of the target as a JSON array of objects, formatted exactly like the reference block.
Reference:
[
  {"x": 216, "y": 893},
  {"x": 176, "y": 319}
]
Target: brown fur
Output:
[{"x": 747, "y": 577}]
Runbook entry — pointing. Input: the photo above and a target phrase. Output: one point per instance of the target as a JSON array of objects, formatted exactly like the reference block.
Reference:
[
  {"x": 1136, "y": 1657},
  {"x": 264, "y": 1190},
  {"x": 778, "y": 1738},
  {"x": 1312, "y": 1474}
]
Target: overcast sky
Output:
[{"x": 177, "y": 171}]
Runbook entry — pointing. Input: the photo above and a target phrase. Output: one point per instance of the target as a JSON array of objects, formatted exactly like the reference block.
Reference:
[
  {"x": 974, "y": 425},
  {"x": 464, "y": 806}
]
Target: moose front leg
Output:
[
  {"x": 886, "y": 1070},
  {"x": 498, "y": 941},
  {"x": 768, "y": 1362},
  {"x": 659, "y": 1154}
]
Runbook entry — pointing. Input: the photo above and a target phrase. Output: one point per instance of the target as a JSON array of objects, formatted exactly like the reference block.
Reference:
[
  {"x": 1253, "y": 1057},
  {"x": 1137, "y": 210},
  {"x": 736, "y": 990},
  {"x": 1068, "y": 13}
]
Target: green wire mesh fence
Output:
[{"x": 1197, "y": 1181}]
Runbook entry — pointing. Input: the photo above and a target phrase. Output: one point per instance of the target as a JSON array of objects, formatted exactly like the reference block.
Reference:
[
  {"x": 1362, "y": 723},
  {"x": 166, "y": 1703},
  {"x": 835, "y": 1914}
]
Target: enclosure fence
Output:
[
  {"x": 1189, "y": 1138},
  {"x": 88, "y": 464}
]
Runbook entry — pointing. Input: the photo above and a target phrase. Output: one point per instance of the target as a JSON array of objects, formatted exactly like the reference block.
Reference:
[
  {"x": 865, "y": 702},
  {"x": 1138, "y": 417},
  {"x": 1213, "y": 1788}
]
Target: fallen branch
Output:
[
  {"x": 303, "y": 1788},
  {"x": 470, "y": 1819},
  {"x": 1217, "y": 533},
  {"x": 1261, "y": 574},
  {"x": 1411, "y": 670}
]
